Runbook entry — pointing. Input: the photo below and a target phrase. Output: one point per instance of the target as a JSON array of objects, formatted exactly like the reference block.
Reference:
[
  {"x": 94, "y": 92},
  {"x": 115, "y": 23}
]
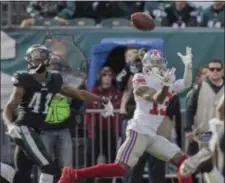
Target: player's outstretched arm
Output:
[
  {"x": 141, "y": 89},
  {"x": 152, "y": 95},
  {"x": 14, "y": 101},
  {"x": 81, "y": 94},
  {"x": 187, "y": 61},
  {"x": 161, "y": 95}
]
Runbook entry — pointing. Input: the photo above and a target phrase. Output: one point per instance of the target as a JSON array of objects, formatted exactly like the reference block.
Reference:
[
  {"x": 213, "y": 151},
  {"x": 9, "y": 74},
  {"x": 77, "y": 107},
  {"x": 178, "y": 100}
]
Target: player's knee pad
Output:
[{"x": 51, "y": 168}]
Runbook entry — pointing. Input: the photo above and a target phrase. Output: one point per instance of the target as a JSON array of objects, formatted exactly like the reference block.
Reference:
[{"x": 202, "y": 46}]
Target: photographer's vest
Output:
[
  {"x": 206, "y": 106},
  {"x": 58, "y": 111}
]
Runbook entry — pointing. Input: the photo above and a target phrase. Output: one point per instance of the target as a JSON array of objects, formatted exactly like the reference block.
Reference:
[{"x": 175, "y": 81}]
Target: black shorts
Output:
[{"x": 33, "y": 147}]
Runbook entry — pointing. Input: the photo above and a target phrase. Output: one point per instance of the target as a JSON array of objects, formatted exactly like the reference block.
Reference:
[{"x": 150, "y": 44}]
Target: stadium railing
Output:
[{"x": 81, "y": 145}]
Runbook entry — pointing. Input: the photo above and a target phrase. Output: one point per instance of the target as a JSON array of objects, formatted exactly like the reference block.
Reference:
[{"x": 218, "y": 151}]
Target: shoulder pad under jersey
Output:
[{"x": 19, "y": 78}]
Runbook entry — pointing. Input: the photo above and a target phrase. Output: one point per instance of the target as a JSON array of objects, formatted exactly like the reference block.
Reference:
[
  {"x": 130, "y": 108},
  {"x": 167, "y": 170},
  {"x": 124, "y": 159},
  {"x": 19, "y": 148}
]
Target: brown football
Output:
[{"x": 142, "y": 21}]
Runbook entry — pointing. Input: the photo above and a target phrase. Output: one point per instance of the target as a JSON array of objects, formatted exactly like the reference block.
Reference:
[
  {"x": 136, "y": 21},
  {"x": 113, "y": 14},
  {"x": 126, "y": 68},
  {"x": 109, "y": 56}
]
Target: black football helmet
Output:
[{"x": 37, "y": 57}]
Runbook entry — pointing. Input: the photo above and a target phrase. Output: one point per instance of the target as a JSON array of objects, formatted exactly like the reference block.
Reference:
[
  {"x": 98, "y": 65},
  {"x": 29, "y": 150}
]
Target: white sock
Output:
[
  {"x": 214, "y": 176},
  {"x": 7, "y": 172},
  {"x": 46, "y": 178}
]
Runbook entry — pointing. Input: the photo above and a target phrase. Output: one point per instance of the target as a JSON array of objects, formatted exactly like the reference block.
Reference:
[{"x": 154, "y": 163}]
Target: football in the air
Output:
[{"x": 142, "y": 21}]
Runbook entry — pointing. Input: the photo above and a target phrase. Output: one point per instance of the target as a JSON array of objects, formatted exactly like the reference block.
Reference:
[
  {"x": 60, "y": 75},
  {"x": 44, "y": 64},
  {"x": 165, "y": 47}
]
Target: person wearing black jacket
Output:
[
  {"x": 133, "y": 65},
  {"x": 180, "y": 14}
]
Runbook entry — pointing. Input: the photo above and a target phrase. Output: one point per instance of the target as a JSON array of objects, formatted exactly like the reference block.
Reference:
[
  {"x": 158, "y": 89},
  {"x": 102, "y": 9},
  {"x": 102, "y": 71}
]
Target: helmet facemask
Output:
[
  {"x": 38, "y": 58},
  {"x": 153, "y": 61}
]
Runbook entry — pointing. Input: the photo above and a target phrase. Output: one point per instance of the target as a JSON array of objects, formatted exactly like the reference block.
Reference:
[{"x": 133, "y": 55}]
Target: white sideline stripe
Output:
[{"x": 33, "y": 146}]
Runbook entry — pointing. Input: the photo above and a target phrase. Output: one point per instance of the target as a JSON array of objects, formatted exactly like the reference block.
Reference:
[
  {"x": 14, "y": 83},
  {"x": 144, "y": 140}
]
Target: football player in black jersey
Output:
[{"x": 32, "y": 93}]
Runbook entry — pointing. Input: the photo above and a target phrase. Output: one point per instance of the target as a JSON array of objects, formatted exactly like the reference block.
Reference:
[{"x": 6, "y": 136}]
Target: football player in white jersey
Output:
[
  {"x": 151, "y": 88},
  {"x": 150, "y": 82}
]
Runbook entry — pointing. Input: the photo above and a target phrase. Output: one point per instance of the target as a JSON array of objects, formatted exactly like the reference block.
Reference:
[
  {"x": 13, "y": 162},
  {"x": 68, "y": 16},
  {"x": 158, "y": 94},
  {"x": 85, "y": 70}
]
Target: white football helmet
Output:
[{"x": 154, "y": 61}]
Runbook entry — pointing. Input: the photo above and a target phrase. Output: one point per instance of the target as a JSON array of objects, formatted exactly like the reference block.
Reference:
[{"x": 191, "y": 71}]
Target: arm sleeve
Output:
[
  {"x": 178, "y": 86},
  {"x": 187, "y": 78},
  {"x": 183, "y": 84},
  {"x": 32, "y": 10},
  {"x": 68, "y": 11},
  {"x": 191, "y": 108}
]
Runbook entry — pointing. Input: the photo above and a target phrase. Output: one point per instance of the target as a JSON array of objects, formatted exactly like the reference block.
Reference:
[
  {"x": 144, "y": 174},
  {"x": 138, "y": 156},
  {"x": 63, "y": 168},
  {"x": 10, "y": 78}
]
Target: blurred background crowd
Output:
[{"x": 101, "y": 13}]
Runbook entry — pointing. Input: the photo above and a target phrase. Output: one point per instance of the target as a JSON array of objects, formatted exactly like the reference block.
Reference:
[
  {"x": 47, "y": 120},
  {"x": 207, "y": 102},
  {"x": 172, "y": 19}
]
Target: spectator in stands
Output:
[
  {"x": 201, "y": 74},
  {"x": 103, "y": 131},
  {"x": 201, "y": 4},
  {"x": 90, "y": 9},
  {"x": 156, "y": 9},
  {"x": 214, "y": 15},
  {"x": 180, "y": 14},
  {"x": 126, "y": 8},
  {"x": 58, "y": 10},
  {"x": 124, "y": 78},
  {"x": 100, "y": 10}
]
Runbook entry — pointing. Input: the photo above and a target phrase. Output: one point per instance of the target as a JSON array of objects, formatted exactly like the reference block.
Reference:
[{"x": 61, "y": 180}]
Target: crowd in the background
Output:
[{"x": 167, "y": 14}]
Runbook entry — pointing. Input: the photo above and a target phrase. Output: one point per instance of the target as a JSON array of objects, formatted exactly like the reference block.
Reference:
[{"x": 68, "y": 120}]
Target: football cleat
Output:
[{"x": 195, "y": 163}]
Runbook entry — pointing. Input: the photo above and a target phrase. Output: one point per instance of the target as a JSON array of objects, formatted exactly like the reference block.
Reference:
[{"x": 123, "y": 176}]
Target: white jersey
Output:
[{"x": 148, "y": 115}]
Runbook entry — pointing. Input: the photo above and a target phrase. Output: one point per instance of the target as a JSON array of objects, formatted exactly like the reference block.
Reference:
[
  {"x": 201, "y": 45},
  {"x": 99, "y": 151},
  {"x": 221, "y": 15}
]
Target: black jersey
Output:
[
  {"x": 37, "y": 97},
  {"x": 129, "y": 70}
]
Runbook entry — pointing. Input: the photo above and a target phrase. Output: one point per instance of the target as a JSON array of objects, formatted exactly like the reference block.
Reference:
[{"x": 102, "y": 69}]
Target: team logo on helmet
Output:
[{"x": 154, "y": 58}]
